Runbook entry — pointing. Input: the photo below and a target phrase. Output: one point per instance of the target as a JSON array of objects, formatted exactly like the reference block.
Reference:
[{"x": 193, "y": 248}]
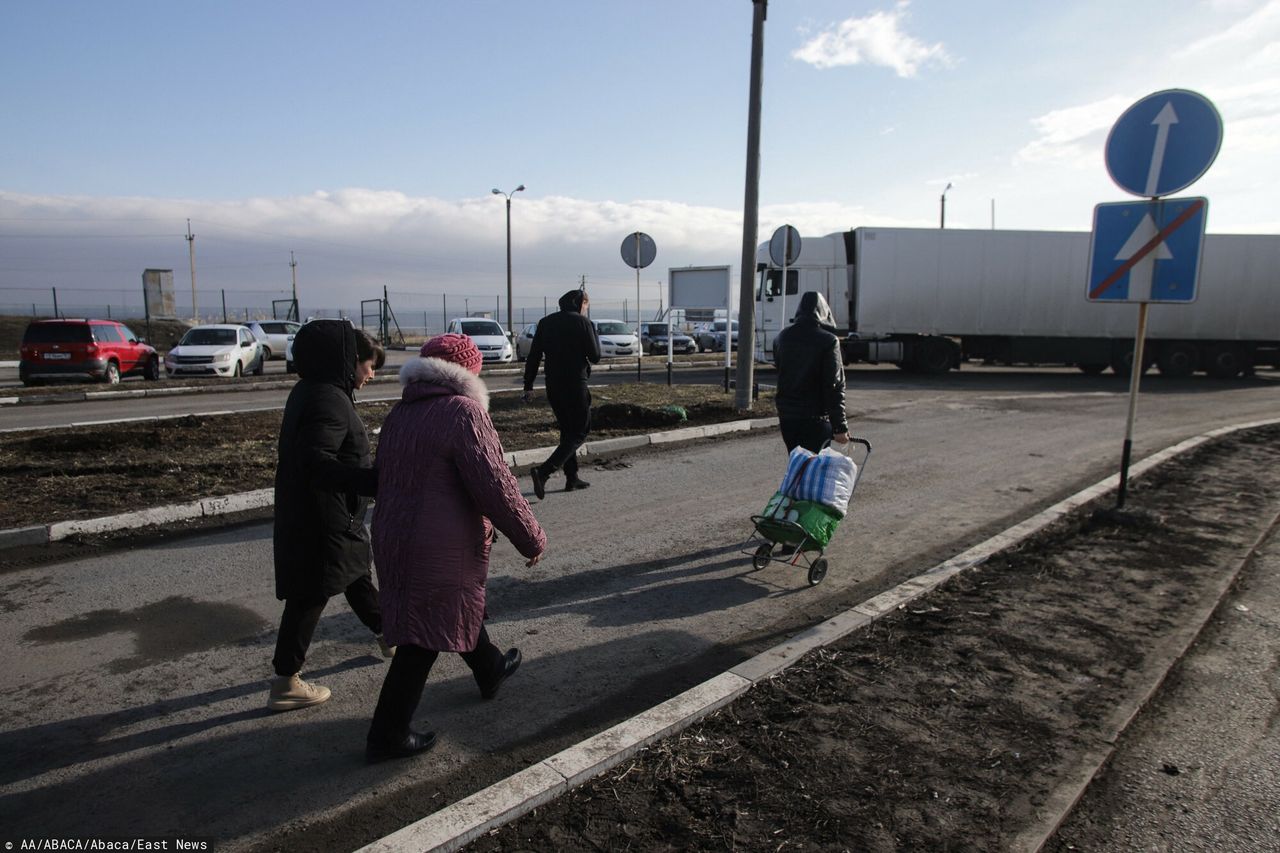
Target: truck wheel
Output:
[
  {"x": 1091, "y": 369},
  {"x": 1122, "y": 363},
  {"x": 1178, "y": 360},
  {"x": 1225, "y": 362},
  {"x": 934, "y": 355}
]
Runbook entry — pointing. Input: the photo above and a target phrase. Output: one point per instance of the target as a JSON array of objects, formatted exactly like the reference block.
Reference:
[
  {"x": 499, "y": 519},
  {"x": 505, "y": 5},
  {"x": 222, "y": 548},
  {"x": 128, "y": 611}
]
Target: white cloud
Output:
[
  {"x": 1247, "y": 50},
  {"x": 350, "y": 243},
  {"x": 1073, "y": 136},
  {"x": 876, "y": 39}
]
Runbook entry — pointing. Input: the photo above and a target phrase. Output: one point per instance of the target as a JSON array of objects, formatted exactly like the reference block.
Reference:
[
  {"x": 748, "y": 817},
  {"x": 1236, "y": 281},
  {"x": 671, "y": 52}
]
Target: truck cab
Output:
[{"x": 820, "y": 267}]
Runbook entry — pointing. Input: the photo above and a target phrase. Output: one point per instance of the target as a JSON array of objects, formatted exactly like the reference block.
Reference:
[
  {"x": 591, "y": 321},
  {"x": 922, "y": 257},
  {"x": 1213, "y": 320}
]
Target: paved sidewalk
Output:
[{"x": 1199, "y": 769}]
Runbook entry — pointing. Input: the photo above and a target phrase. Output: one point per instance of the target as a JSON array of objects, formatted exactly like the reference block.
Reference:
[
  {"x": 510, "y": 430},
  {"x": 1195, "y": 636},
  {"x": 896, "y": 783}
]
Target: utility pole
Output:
[
  {"x": 191, "y": 252},
  {"x": 293, "y": 266},
  {"x": 750, "y": 224}
]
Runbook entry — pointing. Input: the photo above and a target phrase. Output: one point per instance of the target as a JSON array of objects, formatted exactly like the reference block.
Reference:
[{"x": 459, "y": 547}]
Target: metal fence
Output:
[{"x": 416, "y": 315}]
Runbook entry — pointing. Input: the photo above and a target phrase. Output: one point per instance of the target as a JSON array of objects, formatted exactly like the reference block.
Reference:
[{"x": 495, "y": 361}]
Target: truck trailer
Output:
[{"x": 929, "y": 299}]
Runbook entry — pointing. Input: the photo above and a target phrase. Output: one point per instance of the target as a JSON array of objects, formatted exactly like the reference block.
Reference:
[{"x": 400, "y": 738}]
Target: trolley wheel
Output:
[
  {"x": 817, "y": 571},
  {"x": 761, "y": 557}
]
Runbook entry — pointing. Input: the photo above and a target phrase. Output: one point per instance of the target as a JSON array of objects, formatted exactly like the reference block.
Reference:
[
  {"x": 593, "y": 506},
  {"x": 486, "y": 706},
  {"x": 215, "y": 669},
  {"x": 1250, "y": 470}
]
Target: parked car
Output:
[
  {"x": 274, "y": 336},
  {"x": 489, "y": 336},
  {"x": 524, "y": 341},
  {"x": 653, "y": 338},
  {"x": 102, "y": 350},
  {"x": 616, "y": 338},
  {"x": 712, "y": 337},
  {"x": 217, "y": 350}
]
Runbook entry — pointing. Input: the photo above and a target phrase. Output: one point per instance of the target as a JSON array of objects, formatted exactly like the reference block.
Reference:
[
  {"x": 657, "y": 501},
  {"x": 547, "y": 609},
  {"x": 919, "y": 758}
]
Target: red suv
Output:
[{"x": 92, "y": 349}]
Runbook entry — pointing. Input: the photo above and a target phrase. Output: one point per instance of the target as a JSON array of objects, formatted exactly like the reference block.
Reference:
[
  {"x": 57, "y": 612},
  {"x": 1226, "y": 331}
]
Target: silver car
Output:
[
  {"x": 274, "y": 335},
  {"x": 524, "y": 341},
  {"x": 712, "y": 338}
]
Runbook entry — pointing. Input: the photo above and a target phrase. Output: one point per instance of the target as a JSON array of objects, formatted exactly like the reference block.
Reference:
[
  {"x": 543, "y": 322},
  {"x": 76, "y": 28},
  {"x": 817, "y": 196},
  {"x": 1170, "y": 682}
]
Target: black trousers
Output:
[
  {"x": 572, "y": 408},
  {"x": 809, "y": 433},
  {"x": 407, "y": 676},
  {"x": 301, "y": 615}
]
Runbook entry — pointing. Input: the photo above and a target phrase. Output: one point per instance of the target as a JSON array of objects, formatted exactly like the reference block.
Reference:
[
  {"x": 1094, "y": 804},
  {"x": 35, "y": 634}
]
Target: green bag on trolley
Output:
[{"x": 818, "y": 522}]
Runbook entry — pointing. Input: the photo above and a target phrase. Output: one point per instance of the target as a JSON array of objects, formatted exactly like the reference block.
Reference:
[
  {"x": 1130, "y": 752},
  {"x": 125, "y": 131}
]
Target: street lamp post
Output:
[
  {"x": 510, "y": 329},
  {"x": 942, "y": 223}
]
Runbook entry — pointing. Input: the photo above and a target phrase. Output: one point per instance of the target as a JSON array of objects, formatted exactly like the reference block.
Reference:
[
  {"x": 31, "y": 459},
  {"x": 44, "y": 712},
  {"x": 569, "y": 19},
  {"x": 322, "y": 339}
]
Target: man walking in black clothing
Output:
[
  {"x": 569, "y": 342},
  {"x": 810, "y": 395}
]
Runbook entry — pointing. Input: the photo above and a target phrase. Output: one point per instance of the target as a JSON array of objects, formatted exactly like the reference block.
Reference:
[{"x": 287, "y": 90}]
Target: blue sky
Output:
[{"x": 366, "y": 137}]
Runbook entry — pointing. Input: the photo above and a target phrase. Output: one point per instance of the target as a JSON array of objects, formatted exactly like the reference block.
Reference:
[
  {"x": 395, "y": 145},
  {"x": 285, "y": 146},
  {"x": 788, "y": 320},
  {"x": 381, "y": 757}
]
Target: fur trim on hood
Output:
[{"x": 446, "y": 374}]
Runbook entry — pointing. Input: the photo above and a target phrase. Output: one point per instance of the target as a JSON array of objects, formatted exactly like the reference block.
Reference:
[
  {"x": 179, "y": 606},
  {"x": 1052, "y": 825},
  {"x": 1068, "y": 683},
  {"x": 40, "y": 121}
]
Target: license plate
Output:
[{"x": 57, "y": 355}]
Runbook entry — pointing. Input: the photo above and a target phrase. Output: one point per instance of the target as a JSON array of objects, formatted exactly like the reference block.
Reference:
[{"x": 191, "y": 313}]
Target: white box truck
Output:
[{"x": 927, "y": 299}]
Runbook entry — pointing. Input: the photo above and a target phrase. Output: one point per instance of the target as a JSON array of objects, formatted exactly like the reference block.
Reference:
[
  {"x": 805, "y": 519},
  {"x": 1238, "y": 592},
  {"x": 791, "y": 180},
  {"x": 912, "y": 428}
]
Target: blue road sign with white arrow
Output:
[
  {"x": 1164, "y": 143},
  {"x": 1147, "y": 251}
]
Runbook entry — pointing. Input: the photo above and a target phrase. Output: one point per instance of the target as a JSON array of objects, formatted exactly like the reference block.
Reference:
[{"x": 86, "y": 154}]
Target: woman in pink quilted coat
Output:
[{"x": 443, "y": 487}]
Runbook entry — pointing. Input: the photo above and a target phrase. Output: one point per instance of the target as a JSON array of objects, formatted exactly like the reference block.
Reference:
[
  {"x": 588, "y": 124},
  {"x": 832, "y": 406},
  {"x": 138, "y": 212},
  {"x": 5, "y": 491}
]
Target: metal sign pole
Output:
[
  {"x": 1135, "y": 374},
  {"x": 728, "y": 334},
  {"x": 786, "y": 255},
  {"x": 638, "y": 353}
]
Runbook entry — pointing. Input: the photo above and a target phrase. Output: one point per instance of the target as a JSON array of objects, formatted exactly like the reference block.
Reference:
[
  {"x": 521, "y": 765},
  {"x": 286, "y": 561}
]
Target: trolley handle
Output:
[{"x": 855, "y": 440}]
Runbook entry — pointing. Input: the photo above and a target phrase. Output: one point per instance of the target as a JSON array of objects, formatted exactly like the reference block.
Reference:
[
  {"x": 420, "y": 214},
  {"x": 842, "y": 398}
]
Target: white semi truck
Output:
[{"x": 927, "y": 299}]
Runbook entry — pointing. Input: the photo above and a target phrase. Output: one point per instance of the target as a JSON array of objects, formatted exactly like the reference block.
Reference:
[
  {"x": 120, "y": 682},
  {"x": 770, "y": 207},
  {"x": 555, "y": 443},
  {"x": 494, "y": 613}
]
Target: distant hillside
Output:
[{"x": 163, "y": 332}]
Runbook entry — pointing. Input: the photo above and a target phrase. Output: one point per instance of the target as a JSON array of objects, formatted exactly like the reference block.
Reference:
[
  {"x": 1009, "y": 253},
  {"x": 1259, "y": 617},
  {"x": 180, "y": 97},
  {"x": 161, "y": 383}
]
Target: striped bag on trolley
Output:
[{"x": 827, "y": 479}]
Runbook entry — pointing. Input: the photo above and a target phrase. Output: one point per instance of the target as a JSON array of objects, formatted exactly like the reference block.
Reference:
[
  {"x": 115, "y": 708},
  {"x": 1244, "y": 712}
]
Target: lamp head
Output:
[
  {"x": 497, "y": 191},
  {"x": 518, "y": 189}
]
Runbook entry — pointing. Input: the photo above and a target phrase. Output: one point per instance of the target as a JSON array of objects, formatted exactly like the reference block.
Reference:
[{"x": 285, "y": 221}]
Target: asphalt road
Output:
[{"x": 132, "y": 702}]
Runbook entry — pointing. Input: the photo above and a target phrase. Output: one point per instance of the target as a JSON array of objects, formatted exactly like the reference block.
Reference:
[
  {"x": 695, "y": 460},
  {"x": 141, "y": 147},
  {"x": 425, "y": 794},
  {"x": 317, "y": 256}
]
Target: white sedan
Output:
[
  {"x": 617, "y": 338},
  {"x": 216, "y": 350}
]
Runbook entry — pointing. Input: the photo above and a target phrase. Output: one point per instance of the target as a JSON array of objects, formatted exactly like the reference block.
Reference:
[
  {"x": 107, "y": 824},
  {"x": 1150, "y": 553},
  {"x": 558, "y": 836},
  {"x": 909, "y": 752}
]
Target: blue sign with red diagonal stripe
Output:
[{"x": 1147, "y": 251}]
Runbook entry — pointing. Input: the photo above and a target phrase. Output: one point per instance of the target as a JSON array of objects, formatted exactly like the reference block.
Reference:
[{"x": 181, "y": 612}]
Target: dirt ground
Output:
[
  {"x": 86, "y": 472},
  {"x": 946, "y": 725}
]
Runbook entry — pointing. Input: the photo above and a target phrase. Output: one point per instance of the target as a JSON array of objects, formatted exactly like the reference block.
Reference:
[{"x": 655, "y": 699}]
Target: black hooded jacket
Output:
[
  {"x": 810, "y": 369},
  {"x": 569, "y": 342},
  {"x": 324, "y": 470}
]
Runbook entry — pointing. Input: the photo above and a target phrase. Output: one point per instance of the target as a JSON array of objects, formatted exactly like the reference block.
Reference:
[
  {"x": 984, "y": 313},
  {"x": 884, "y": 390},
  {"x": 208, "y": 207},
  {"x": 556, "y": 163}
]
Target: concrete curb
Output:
[
  {"x": 43, "y": 534},
  {"x": 455, "y": 825}
]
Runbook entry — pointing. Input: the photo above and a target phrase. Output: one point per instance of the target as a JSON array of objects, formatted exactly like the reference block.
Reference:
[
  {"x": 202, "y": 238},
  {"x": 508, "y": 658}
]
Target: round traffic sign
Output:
[
  {"x": 784, "y": 246},
  {"x": 1164, "y": 143},
  {"x": 639, "y": 250}
]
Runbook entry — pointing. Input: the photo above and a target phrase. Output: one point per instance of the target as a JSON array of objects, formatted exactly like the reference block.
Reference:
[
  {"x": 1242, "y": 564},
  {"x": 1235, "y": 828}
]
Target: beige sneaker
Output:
[
  {"x": 289, "y": 692},
  {"x": 387, "y": 651}
]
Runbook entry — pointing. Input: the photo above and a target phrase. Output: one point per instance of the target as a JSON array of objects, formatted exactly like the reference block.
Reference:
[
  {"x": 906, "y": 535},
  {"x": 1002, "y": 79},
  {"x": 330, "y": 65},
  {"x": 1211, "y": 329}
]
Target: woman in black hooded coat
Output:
[{"x": 324, "y": 479}]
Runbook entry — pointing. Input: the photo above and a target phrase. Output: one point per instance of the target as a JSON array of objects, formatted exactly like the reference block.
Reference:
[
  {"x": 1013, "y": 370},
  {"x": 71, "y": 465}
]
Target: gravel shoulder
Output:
[{"x": 957, "y": 722}]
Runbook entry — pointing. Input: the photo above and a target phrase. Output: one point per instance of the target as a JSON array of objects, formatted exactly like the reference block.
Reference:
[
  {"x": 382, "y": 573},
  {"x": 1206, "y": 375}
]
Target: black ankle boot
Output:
[{"x": 381, "y": 749}]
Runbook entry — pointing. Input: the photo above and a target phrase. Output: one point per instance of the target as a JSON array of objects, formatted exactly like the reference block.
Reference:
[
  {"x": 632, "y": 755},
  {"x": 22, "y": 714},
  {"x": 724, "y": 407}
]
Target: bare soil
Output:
[
  {"x": 86, "y": 472},
  {"x": 947, "y": 725}
]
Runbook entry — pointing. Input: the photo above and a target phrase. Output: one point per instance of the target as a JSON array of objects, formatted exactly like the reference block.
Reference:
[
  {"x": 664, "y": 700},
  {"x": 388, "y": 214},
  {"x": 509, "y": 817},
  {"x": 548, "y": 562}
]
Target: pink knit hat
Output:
[{"x": 459, "y": 349}]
